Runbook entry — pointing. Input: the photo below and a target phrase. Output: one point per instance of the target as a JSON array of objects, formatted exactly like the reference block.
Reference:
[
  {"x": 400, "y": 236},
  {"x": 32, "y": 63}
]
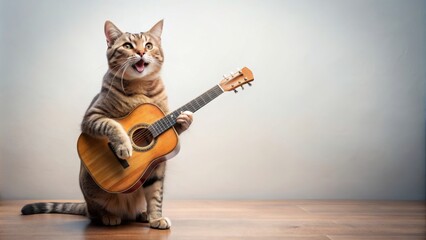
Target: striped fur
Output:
[
  {"x": 133, "y": 78},
  {"x": 55, "y": 207},
  {"x": 123, "y": 89}
]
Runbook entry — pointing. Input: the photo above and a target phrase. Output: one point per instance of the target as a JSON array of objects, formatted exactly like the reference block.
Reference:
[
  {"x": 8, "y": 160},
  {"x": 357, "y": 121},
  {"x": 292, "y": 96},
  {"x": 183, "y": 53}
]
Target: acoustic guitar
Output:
[{"x": 153, "y": 138}]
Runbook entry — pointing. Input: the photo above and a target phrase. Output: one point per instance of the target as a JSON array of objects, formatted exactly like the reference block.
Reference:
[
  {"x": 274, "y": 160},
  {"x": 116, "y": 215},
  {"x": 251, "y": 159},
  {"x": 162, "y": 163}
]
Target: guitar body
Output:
[{"x": 109, "y": 172}]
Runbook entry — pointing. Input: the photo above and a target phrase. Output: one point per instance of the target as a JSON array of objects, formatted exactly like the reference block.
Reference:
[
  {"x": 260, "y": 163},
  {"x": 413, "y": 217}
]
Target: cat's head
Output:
[{"x": 134, "y": 56}]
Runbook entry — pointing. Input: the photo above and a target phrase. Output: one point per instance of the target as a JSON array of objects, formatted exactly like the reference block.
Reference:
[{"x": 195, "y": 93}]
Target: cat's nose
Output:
[{"x": 140, "y": 53}]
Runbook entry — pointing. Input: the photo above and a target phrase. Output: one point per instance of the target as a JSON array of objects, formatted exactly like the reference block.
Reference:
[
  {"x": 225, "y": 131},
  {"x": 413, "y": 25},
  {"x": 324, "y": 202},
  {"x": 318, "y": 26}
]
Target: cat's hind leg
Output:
[
  {"x": 98, "y": 214},
  {"x": 111, "y": 220},
  {"x": 153, "y": 188}
]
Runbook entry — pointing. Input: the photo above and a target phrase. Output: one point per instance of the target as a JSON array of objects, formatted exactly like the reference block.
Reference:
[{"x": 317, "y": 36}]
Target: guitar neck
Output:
[{"x": 169, "y": 120}]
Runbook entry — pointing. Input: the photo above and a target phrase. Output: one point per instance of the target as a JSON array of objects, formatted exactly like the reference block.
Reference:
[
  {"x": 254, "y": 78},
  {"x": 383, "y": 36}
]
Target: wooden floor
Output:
[{"x": 327, "y": 220}]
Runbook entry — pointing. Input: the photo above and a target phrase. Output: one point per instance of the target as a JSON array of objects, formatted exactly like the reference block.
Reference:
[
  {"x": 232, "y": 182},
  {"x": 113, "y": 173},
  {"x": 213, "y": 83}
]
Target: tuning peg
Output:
[
  {"x": 242, "y": 87},
  {"x": 235, "y": 91},
  {"x": 249, "y": 84}
]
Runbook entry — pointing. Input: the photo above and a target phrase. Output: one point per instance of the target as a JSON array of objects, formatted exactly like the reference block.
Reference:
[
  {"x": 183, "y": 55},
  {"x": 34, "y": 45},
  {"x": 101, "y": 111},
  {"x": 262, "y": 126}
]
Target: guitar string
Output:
[
  {"x": 163, "y": 127},
  {"x": 165, "y": 122}
]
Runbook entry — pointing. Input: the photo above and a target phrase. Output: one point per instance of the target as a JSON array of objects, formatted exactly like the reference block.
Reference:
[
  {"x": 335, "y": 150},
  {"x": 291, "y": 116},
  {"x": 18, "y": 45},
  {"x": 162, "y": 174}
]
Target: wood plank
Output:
[
  {"x": 357, "y": 237},
  {"x": 300, "y": 220}
]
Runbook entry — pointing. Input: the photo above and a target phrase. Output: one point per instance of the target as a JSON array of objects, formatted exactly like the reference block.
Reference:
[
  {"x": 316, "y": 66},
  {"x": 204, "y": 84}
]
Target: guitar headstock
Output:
[{"x": 238, "y": 79}]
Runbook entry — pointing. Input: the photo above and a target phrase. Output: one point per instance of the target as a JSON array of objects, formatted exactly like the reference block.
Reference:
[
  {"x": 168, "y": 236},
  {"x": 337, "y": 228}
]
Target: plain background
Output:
[{"x": 337, "y": 110}]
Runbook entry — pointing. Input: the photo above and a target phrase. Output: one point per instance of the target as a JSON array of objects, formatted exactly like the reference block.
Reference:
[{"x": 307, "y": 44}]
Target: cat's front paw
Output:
[
  {"x": 184, "y": 120},
  {"x": 160, "y": 223},
  {"x": 123, "y": 149}
]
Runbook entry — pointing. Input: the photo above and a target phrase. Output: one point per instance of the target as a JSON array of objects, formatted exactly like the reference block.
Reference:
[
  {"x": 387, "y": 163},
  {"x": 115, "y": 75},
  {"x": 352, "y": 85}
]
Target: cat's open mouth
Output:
[{"x": 140, "y": 66}]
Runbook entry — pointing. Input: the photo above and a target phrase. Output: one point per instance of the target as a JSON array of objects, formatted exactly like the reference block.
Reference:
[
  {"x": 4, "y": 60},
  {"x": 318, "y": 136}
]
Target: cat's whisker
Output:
[
  {"x": 122, "y": 76},
  {"x": 115, "y": 75}
]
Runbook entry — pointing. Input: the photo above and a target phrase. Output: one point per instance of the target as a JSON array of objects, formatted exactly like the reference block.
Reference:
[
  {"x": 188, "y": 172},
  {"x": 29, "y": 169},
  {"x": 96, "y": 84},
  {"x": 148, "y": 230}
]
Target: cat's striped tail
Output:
[{"x": 55, "y": 207}]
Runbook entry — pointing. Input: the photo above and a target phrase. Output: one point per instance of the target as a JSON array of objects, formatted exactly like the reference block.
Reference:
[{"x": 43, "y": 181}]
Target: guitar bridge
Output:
[{"x": 123, "y": 162}]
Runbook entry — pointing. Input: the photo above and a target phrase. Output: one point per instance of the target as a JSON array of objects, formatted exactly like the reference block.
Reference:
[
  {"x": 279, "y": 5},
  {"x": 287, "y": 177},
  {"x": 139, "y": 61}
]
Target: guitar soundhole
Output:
[{"x": 142, "y": 139}]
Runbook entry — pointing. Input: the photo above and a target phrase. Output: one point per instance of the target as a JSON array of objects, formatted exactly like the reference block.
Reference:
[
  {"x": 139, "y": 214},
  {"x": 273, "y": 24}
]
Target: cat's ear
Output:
[
  {"x": 157, "y": 29},
  {"x": 111, "y": 33}
]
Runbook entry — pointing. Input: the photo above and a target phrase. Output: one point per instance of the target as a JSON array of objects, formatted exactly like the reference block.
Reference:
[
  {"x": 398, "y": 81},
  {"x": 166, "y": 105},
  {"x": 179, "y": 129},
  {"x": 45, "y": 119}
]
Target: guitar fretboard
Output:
[{"x": 169, "y": 120}]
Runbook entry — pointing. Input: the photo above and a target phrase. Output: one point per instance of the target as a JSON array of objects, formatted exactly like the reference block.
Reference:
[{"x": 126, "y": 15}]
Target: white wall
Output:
[{"x": 337, "y": 109}]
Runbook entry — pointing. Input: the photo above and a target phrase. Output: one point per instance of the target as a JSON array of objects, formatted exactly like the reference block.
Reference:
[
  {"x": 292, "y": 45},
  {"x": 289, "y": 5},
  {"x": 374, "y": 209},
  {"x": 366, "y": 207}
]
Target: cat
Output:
[{"x": 133, "y": 78}]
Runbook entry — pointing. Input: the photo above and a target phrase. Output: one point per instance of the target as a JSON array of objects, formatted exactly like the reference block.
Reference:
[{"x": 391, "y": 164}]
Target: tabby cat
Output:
[{"x": 133, "y": 78}]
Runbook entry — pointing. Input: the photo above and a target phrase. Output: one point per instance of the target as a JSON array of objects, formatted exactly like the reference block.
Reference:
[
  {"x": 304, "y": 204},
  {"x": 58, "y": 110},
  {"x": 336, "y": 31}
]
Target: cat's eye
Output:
[
  {"x": 128, "y": 45},
  {"x": 149, "y": 46}
]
